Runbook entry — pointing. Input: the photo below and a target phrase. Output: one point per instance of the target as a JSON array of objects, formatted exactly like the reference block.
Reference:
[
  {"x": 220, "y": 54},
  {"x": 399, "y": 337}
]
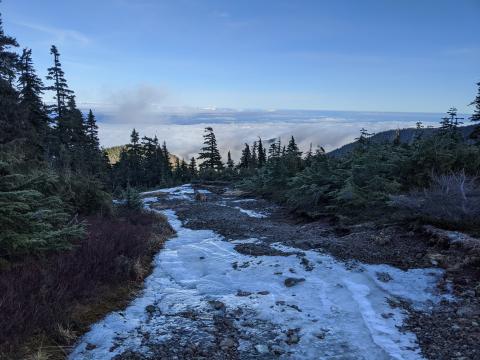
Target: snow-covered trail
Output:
[{"x": 295, "y": 305}]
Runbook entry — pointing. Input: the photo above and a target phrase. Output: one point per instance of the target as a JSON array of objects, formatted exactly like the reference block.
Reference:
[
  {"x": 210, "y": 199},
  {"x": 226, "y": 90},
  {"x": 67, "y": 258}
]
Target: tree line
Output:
[{"x": 51, "y": 164}]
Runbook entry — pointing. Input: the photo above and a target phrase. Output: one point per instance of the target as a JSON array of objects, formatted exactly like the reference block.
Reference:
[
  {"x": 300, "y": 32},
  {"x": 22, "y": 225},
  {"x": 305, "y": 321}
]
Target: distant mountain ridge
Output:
[
  {"x": 113, "y": 154},
  {"x": 407, "y": 136}
]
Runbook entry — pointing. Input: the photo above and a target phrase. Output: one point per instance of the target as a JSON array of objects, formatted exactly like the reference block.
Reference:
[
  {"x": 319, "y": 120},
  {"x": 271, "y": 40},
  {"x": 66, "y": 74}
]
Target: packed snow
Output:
[{"x": 339, "y": 311}]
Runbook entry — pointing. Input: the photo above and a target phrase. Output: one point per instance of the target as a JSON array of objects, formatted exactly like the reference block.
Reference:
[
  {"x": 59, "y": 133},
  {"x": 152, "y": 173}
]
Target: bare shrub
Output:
[
  {"x": 38, "y": 295},
  {"x": 451, "y": 199}
]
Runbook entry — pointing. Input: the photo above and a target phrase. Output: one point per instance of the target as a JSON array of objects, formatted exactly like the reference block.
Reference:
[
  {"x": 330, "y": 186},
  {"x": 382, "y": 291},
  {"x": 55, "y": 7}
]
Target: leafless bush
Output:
[
  {"x": 37, "y": 294},
  {"x": 452, "y": 199}
]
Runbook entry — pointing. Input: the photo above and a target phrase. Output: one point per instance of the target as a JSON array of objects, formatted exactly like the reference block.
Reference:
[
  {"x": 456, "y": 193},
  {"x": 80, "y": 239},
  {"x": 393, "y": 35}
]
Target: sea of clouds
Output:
[{"x": 182, "y": 129}]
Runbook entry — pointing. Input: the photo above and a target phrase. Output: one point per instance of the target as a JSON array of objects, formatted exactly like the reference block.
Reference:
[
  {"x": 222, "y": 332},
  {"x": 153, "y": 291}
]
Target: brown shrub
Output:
[
  {"x": 37, "y": 295},
  {"x": 452, "y": 199}
]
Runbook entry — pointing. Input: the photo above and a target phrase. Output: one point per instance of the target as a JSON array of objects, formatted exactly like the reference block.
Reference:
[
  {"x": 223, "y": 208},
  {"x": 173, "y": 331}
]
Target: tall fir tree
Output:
[
  {"x": 476, "y": 115},
  {"x": 192, "y": 168},
  {"x": 209, "y": 153},
  {"x": 11, "y": 122},
  {"x": 60, "y": 87},
  {"x": 262, "y": 154},
  {"x": 246, "y": 158},
  {"x": 91, "y": 130},
  {"x": 230, "y": 163},
  {"x": 8, "y": 58},
  {"x": 34, "y": 112}
]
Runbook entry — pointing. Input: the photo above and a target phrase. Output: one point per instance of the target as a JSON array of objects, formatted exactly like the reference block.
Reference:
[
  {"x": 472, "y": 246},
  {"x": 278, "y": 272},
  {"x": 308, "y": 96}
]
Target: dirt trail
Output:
[{"x": 242, "y": 281}]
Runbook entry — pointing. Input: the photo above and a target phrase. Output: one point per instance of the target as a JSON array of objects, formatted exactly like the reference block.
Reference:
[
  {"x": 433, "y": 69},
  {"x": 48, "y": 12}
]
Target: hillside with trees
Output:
[{"x": 69, "y": 253}]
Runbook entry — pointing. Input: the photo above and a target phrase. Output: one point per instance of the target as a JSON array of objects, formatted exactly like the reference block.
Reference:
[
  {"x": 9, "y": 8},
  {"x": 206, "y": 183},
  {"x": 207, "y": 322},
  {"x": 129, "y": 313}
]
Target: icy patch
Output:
[
  {"x": 151, "y": 199},
  {"x": 339, "y": 311},
  {"x": 183, "y": 192},
  {"x": 244, "y": 200},
  {"x": 251, "y": 213}
]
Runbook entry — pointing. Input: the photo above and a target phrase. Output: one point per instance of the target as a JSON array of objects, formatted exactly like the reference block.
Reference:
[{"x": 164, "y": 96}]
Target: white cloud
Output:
[
  {"x": 58, "y": 36},
  {"x": 184, "y": 137}
]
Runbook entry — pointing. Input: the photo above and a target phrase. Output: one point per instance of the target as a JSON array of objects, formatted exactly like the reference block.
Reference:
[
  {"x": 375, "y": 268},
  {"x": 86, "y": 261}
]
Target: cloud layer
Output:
[{"x": 182, "y": 129}]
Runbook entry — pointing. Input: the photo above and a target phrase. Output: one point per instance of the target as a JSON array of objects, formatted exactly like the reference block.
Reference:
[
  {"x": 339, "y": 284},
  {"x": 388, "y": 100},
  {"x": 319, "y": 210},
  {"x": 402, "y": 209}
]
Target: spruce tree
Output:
[
  {"x": 246, "y": 158},
  {"x": 8, "y": 58},
  {"x": 167, "y": 165},
  {"x": 254, "y": 156},
  {"x": 134, "y": 156},
  {"x": 11, "y": 122},
  {"x": 34, "y": 112},
  {"x": 91, "y": 130},
  {"x": 230, "y": 163},
  {"x": 192, "y": 168},
  {"x": 476, "y": 115},
  {"x": 59, "y": 86},
  {"x": 209, "y": 152},
  {"x": 262, "y": 154}
]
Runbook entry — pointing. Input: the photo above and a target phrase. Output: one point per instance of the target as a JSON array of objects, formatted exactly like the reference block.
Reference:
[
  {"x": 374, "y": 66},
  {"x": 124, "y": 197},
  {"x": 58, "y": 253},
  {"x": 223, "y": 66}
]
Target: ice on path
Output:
[{"x": 337, "y": 309}]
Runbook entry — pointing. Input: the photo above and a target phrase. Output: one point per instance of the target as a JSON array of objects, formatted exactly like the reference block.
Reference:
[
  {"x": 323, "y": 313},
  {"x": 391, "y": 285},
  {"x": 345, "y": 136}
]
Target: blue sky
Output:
[{"x": 383, "y": 55}]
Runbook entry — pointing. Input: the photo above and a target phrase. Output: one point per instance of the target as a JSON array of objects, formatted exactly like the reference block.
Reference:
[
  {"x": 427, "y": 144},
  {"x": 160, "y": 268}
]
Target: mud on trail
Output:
[{"x": 242, "y": 280}]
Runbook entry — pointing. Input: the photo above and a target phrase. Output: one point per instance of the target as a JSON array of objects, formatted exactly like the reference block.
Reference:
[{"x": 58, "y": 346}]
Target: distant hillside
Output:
[
  {"x": 406, "y": 136},
  {"x": 114, "y": 152}
]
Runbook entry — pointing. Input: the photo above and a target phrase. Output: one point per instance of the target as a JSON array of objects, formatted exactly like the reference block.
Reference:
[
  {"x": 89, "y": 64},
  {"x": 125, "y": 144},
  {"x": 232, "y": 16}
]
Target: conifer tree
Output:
[
  {"x": 209, "y": 152},
  {"x": 34, "y": 112},
  {"x": 230, "y": 163},
  {"x": 192, "y": 168},
  {"x": 8, "y": 58},
  {"x": 11, "y": 123},
  {"x": 59, "y": 86},
  {"x": 167, "y": 166},
  {"x": 262, "y": 154},
  {"x": 476, "y": 115},
  {"x": 91, "y": 130},
  {"x": 254, "y": 156},
  {"x": 134, "y": 159},
  {"x": 246, "y": 158}
]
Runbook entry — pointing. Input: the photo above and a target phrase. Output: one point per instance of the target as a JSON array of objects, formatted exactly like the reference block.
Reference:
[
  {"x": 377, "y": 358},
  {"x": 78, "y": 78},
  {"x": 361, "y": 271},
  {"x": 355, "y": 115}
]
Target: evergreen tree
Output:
[
  {"x": 230, "y": 163},
  {"x": 134, "y": 159},
  {"x": 59, "y": 86},
  {"x": 8, "y": 59},
  {"x": 246, "y": 158},
  {"x": 308, "y": 156},
  {"x": 254, "y": 156},
  {"x": 192, "y": 168},
  {"x": 167, "y": 165},
  {"x": 11, "y": 122},
  {"x": 476, "y": 115},
  {"x": 262, "y": 154},
  {"x": 209, "y": 152},
  {"x": 31, "y": 219},
  {"x": 34, "y": 112},
  {"x": 91, "y": 130}
]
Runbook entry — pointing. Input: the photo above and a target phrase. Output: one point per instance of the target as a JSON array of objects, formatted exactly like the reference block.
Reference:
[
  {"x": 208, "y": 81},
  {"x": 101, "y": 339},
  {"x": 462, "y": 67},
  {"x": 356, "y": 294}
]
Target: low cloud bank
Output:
[{"x": 183, "y": 130}]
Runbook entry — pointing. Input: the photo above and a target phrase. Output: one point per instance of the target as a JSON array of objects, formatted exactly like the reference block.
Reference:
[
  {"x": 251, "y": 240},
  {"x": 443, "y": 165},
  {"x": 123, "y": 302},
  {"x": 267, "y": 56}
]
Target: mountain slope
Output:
[{"x": 406, "y": 136}]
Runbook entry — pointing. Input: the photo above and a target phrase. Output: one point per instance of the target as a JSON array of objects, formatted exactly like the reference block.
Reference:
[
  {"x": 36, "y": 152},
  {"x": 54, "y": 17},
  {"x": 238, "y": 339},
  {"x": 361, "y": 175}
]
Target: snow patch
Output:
[
  {"x": 340, "y": 311},
  {"x": 251, "y": 213}
]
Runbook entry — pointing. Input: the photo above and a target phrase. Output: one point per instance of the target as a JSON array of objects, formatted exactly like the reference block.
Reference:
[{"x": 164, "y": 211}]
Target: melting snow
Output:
[
  {"x": 340, "y": 311},
  {"x": 251, "y": 213}
]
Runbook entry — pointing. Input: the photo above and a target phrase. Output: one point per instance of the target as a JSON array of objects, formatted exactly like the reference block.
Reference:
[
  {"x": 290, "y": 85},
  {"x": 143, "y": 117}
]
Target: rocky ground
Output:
[
  {"x": 451, "y": 331},
  {"x": 448, "y": 330}
]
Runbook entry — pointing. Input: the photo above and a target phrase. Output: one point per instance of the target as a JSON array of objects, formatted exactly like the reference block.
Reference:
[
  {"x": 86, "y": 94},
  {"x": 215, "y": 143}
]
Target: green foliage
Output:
[
  {"x": 131, "y": 199},
  {"x": 476, "y": 115},
  {"x": 209, "y": 153},
  {"x": 31, "y": 218},
  {"x": 146, "y": 164},
  {"x": 361, "y": 182}
]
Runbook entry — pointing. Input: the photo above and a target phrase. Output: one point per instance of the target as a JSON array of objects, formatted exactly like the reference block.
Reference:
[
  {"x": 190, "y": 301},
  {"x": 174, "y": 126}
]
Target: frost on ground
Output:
[{"x": 206, "y": 300}]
